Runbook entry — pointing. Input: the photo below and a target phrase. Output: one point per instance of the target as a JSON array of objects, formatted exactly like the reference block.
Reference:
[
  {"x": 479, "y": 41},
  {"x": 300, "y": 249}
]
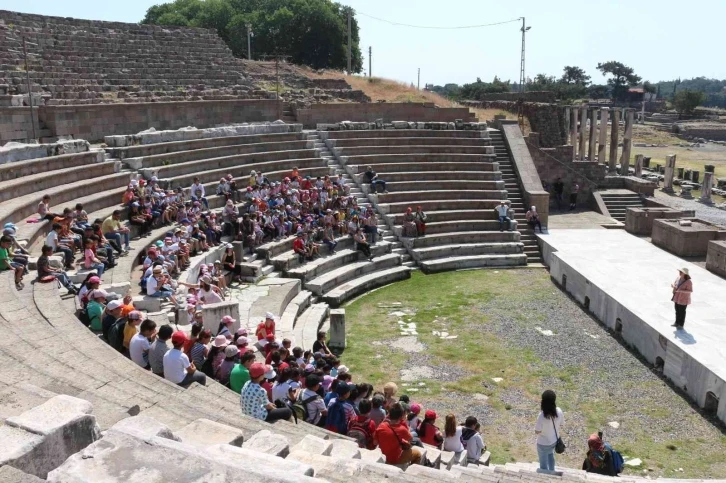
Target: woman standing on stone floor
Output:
[{"x": 682, "y": 289}]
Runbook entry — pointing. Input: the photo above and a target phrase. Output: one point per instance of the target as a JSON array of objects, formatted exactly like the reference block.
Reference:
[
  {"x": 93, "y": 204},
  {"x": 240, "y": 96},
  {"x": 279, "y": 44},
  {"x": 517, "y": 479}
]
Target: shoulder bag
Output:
[{"x": 559, "y": 445}]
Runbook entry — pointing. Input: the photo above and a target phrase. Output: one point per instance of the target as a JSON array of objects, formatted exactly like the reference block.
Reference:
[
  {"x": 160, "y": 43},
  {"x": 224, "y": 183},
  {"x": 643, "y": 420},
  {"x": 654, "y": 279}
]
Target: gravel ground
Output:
[{"x": 704, "y": 212}]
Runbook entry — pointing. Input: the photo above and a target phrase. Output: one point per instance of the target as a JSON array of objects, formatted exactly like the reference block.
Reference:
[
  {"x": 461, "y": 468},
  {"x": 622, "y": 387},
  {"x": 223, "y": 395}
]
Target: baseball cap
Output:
[
  {"x": 269, "y": 315},
  {"x": 94, "y": 279},
  {"x": 231, "y": 351},
  {"x": 269, "y": 372},
  {"x": 177, "y": 337},
  {"x": 256, "y": 370},
  {"x": 242, "y": 340},
  {"x": 113, "y": 305},
  {"x": 430, "y": 414},
  {"x": 342, "y": 389},
  {"x": 415, "y": 408},
  {"x": 242, "y": 331},
  {"x": 227, "y": 319},
  {"x": 310, "y": 368}
]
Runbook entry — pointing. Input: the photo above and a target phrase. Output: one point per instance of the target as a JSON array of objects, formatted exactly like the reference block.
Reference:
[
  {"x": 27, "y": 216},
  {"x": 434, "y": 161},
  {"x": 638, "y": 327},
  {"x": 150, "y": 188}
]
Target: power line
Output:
[{"x": 399, "y": 24}]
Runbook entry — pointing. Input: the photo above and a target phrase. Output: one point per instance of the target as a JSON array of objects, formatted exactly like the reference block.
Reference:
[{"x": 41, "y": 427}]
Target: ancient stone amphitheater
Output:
[{"x": 73, "y": 409}]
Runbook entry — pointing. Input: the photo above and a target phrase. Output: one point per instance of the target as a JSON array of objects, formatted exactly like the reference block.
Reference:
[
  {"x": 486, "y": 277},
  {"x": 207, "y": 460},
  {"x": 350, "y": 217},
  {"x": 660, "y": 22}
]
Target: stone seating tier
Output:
[
  {"x": 440, "y": 194},
  {"x": 401, "y": 133},
  {"x": 450, "y": 215},
  {"x": 415, "y": 149},
  {"x": 18, "y": 169},
  {"x": 22, "y": 207},
  {"x": 467, "y": 249},
  {"x": 418, "y": 176},
  {"x": 435, "y": 159},
  {"x": 345, "y": 253},
  {"x": 411, "y": 167},
  {"x": 414, "y": 140},
  {"x": 364, "y": 283},
  {"x": 443, "y": 205},
  {"x": 445, "y": 183},
  {"x": 254, "y": 159},
  {"x": 143, "y": 150},
  {"x": 216, "y": 152}
]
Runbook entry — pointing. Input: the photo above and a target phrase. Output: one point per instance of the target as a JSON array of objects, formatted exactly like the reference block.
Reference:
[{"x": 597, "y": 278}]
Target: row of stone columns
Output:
[
  {"x": 585, "y": 146},
  {"x": 669, "y": 174}
]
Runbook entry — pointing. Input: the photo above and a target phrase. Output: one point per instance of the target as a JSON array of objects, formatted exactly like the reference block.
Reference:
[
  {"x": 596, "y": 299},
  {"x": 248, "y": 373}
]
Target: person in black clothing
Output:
[
  {"x": 559, "y": 188},
  {"x": 320, "y": 346},
  {"x": 372, "y": 178}
]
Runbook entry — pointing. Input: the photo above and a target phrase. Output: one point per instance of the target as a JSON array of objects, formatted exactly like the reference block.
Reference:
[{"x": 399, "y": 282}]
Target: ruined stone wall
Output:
[
  {"x": 16, "y": 123},
  {"x": 93, "y": 122},
  {"x": 553, "y": 163},
  {"x": 546, "y": 119},
  {"x": 407, "y": 111}
]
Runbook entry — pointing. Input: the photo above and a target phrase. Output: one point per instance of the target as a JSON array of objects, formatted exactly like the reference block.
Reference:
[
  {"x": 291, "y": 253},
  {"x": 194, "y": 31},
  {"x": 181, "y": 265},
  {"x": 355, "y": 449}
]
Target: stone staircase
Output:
[
  {"x": 618, "y": 201},
  {"x": 514, "y": 194}
]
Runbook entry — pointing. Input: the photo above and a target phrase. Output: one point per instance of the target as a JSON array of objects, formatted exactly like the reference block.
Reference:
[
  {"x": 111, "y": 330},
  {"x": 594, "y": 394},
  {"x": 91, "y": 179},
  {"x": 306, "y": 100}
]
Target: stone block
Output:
[
  {"x": 341, "y": 470},
  {"x": 431, "y": 474},
  {"x": 8, "y": 474},
  {"x": 147, "y": 304},
  {"x": 39, "y": 440},
  {"x": 372, "y": 455},
  {"x": 639, "y": 221},
  {"x": 345, "y": 449},
  {"x": 313, "y": 445},
  {"x": 144, "y": 427},
  {"x": 203, "y": 433},
  {"x": 269, "y": 443},
  {"x": 337, "y": 328},
  {"x": 213, "y": 313},
  {"x": 716, "y": 257},
  {"x": 686, "y": 240}
]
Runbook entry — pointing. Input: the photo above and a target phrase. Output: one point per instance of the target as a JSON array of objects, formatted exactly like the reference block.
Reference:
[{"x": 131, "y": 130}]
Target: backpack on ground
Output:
[
  {"x": 337, "y": 419},
  {"x": 300, "y": 408},
  {"x": 358, "y": 430}
]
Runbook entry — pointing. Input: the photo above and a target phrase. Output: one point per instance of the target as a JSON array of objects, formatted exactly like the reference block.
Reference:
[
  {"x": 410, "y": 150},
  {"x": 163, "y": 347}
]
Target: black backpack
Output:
[{"x": 116, "y": 334}]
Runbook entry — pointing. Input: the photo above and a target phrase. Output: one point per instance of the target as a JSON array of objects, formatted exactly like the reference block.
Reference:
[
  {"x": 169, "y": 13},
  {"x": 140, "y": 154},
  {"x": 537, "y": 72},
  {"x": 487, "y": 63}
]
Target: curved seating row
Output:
[{"x": 455, "y": 187}]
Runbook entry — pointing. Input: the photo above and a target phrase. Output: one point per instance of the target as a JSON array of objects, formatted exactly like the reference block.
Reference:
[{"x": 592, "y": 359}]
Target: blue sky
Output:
[{"x": 660, "y": 39}]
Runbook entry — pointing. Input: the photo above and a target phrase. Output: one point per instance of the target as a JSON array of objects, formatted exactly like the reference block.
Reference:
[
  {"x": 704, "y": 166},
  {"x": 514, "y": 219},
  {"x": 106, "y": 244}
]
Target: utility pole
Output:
[
  {"x": 418, "y": 82},
  {"x": 370, "y": 61},
  {"x": 520, "y": 107},
  {"x": 30, "y": 92},
  {"x": 249, "y": 41},
  {"x": 350, "y": 37}
]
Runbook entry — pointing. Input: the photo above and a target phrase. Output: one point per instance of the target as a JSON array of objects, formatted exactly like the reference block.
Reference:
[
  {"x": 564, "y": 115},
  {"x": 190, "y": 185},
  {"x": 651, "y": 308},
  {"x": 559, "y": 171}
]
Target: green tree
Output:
[
  {"x": 598, "y": 91},
  {"x": 649, "y": 88},
  {"x": 574, "y": 75},
  {"x": 310, "y": 32},
  {"x": 686, "y": 101},
  {"x": 622, "y": 77}
]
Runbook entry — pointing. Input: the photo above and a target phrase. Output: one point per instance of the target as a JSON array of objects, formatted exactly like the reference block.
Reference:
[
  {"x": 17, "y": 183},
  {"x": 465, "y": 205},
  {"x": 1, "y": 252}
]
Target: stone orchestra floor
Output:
[{"x": 638, "y": 275}]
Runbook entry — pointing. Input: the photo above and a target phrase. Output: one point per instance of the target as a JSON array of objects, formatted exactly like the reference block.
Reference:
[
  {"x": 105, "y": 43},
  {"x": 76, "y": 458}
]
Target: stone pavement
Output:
[
  {"x": 704, "y": 212},
  {"x": 572, "y": 220},
  {"x": 627, "y": 277}
]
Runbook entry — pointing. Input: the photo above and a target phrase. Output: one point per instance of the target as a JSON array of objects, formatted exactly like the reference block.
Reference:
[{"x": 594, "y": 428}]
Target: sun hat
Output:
[
  {"x": 430, "y": 414},
  {"x": 269, "y": 315},
  {"x": 256, "y": 370},
  {"x": 270, "y": 372},
  {"x": 231, "y": 351},
  {"x": 94, "y": 279},
  {"x": 206, "y": 279},
  {"x": 227, "y": 319},
  {"x": 178, "y": 337},
  {"x": 98, "y": 294},
  {"x": 683, "y": 270},
  {"x": 415, "y": 407},
  {"x": 342, "y": 370},
  {"x": 220, "y": 341},
  {"x": 113, "y": 305},
  {"x": 134, "y": 315},
  {"x": 228, "y": 245},
  {"x": 310, "y": 368},
  {"x": 242, "y": 331},
  {"x": 242, "y": 340}
]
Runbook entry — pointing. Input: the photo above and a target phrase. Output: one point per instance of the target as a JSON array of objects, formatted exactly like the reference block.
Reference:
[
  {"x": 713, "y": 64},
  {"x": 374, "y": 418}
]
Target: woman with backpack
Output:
[
  {"x": 547, "y": 430},
  {"x": 601, "y": 458}
]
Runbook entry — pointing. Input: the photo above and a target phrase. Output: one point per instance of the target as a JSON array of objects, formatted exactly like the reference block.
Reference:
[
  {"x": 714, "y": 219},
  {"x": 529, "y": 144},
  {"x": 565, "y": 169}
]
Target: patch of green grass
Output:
[{"x": 464, "y": 304}]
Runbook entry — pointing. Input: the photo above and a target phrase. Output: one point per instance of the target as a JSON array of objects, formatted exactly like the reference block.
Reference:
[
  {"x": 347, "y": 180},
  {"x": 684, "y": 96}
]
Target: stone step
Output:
[
  {"x": 294, "y": 308},
  {"x": 334, "y": 278},
  {"x": 439, "y": 205},
  {"x": 472, "y": 261},
  {"x": 451, "y": 182},
  {"x": 393, "y": 177},
  {"x": 314, "y": 268},
  {"x": 468, "y": 249},
  {"x": 365, "y": 283},
  {"x": 433, "y": 228},
  {"x": 466, "y": 237},
  {"x": 308, "y": 323}
]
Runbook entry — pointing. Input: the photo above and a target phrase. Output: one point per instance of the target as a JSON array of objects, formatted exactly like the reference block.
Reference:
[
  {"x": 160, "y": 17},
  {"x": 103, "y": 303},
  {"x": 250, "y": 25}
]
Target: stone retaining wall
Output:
[
  {"x": 546, "y": 119},
  {"x": 330, "y": 113},
  {"x": 93, "y": 122},
  {"x": 16, "y": 124}
]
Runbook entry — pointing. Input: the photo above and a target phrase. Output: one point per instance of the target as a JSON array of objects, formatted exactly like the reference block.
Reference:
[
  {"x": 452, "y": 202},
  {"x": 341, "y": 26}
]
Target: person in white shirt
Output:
[
  {"x": 503, "y": 216},
  {"x": 177, "y": 367},
  {"x": 141, "y": 343},
  {"x": 547, "y": 430},
  {"x": 452, "y": 436},
  {"x": 198, "y": 193},
  {"x": 472, "y": 440}
]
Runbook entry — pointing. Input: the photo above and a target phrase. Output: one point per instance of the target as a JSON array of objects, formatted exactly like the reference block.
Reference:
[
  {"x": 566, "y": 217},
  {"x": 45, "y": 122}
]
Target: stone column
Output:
[
  {"x": 593, "y": 135},
  {"x": 614, "y": 130},
  {"x": 627, "y": 143},
  {"x": 337, "y": 328},
  {"x": 638, "y": 165},
  {"x": 583, "y": 131},
  {"x": 573, "y": 131},
  {"x": 601, "y": 148},
  {"x": 567, "y": 125},
  {"x": 670, "y": 168},
  {"x": 706, "y": 188}
]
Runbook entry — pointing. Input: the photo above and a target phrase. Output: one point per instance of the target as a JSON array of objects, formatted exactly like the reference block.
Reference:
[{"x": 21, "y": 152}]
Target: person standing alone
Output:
[
  {"x": 682, "y": 289},
  {"x": 547, "y": 430}
]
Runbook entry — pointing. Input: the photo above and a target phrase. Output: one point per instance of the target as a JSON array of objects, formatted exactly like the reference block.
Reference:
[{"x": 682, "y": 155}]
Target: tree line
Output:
[
  {"x": 309, "y": 32},
  {"x": 574, "y": 84}
]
